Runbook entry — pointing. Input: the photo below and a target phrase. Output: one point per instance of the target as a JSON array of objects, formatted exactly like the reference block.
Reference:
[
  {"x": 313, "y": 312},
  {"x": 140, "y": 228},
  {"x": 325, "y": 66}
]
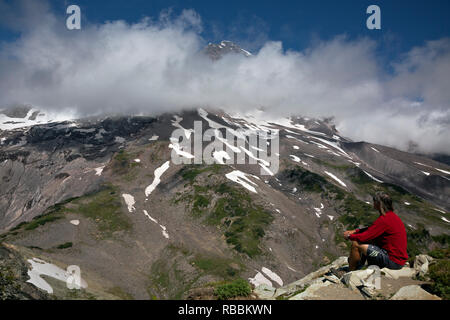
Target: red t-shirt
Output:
[{"x": 388, "y": 233}]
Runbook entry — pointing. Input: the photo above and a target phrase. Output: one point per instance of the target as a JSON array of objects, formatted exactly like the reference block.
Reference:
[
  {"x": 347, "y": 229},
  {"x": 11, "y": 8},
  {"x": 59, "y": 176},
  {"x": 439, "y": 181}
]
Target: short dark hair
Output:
[{"x": 384, "y": 200}]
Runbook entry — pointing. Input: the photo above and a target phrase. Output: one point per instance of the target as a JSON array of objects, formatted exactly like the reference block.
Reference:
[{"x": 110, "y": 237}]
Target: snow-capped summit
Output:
[{"x": 216, "y": 51}]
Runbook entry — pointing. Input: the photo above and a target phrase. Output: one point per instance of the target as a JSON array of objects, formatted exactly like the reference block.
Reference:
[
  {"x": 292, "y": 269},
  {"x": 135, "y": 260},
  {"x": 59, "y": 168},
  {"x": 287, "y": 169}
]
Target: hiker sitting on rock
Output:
[{"x": 383, "y": 243}]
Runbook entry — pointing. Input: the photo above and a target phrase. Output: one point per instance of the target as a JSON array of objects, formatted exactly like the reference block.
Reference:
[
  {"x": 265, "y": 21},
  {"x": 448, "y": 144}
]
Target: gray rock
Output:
[
  {"x": 311, "y": 291},
  {"x": 395, "y": 274},
  {"x": 421, "y": 264},
  {"x": 264, "y": 291},
  {"x": 310, "y": 278},
  {"x": 355, "y": 279},
  {"x": 413, "y": 292}
]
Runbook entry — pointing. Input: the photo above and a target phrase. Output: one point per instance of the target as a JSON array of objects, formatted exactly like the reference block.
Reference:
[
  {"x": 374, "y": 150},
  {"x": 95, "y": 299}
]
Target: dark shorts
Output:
[{"x": 379, "y": 257}]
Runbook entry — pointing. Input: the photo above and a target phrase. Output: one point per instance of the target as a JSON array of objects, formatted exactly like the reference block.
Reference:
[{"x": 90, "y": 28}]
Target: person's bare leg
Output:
[{"x": 354, "y": 257}]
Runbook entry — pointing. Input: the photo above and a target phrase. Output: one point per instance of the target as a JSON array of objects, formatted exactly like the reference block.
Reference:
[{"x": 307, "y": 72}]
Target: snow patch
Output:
[
  {"x": 259, "y": 279},
  {"x": 178, "y": 149},
  {"x": 158, "y": 172},
  {"x": 40, "y": 267},
  {"x": 372, "y": 177},
  {"x": 241, "y": 178},
  {"x": 220, "y": 155},
  {"x": 336, "y": 178},
  {"x": 295, "y": 158},
  {"x": 273, "y": 276},
  {"x": 129, "y": 200},
  {"x": 99, "y": 170},
  {"x": 443, "y": 171},
  {"x": 164, "y": 229}
]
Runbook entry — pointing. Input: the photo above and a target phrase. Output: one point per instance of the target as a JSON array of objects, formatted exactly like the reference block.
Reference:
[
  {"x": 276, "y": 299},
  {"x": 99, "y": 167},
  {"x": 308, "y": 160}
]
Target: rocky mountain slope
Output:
[{"x": 104, "y": 194}]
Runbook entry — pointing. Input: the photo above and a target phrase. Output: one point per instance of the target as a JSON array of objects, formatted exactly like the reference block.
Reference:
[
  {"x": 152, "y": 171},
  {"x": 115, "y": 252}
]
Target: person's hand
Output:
[{"x": 348, "y": 233}]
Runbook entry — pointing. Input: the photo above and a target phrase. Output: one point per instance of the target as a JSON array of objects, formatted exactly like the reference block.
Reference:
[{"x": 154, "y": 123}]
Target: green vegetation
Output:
[
  {"x": 230, "y": 208},
  {"x": 354, "y": 212},
  {"x": 237, "y": 288},
  {"x": 221, "y": 267},
  {"x": 53, "y": 213},
  {"x": 123, "y": 164},
  {"x": 419, "y": 240},
  {"x": 104, "y": 208},
  {"x": 332, "y": 165},
  {"x": 439, "y": 273},
  {"x": 191, "y": 172},
  {"x": 169, "y": 278},
  {"x": 120, "y": 293},
  {"x": 6, "y": 282},
  {"x": 65, "y": 245}
]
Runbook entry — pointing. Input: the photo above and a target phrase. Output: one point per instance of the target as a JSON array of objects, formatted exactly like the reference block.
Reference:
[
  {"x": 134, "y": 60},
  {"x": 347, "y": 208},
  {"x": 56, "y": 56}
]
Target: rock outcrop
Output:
[{"x": 368, "y": 283}]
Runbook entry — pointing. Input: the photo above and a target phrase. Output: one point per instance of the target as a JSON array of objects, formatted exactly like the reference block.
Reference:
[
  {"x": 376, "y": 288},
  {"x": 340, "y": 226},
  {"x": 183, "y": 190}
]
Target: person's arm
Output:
[
  {"x": 361, "y": 230},
  {"x": 372, "y": 232}
]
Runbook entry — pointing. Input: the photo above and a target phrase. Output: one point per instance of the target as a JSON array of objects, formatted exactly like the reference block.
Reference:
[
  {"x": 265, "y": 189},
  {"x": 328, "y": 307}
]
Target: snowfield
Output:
[
  {"x": 158, "y": 173},
  {"x": 336, "y": 178},
  {"x": 241, "y": 178}
]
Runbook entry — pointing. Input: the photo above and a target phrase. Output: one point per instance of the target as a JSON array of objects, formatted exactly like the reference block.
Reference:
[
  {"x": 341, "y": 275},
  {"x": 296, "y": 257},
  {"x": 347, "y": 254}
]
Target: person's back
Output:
[
  {"x": 393, "y": 239},
  {"x": 384, "y": 243}
]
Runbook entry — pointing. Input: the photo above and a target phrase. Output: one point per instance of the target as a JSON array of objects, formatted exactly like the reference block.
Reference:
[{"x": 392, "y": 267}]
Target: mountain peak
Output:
[{"x": 216, "y": 51}]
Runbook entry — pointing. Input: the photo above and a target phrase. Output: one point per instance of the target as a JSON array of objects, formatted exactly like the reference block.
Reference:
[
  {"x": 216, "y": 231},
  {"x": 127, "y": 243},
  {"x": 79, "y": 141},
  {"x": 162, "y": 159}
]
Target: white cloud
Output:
[{"x": 156, "y": 66}]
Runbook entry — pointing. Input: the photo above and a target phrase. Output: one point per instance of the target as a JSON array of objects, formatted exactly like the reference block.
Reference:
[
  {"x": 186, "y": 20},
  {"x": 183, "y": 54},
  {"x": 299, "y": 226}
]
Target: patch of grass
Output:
[
  {"x": 123, "y": 162},
  {"x": 440, "y": 253},
  {"x": 167, "y": 279},
  {"x": 305, "y": 180},
  {"x": 190, "y": 172},
  {"x": 65, "y": 245},
  {"x": 241, "y": 220},
  {"x": 332, "y": 165},
  {"x": 103, "y": 207},
  {"x": 237, "y": 288},
  {"x": 41, "y": 220},
  {"x": 120, "y": 293},
  {"x": 7, "y": 281},
  {"x": 419, "y": 240},
  {"x": 439, "y": 273},
  {"x": 221, "y": 267},
  {"x": 53, "y": 213}
]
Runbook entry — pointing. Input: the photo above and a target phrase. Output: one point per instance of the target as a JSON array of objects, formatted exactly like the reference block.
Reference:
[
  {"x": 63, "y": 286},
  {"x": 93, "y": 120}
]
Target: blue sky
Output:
[{"x": 296, "y": 23}]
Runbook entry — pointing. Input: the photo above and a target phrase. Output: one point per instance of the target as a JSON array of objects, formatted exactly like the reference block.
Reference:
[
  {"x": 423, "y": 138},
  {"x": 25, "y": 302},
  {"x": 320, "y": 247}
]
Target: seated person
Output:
[{"x": 383, "y": 243}]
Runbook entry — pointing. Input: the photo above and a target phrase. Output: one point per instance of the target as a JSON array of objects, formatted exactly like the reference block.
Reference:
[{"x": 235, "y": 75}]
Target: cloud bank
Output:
[{"x": 156, "y": 66}]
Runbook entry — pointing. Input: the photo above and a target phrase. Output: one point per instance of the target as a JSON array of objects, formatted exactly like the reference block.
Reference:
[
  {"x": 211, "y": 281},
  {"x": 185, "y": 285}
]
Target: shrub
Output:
[
  {"x": 237, "y": 288},
  {"x": 65, "y": 245},
  {"x": 439, "y": 273}
]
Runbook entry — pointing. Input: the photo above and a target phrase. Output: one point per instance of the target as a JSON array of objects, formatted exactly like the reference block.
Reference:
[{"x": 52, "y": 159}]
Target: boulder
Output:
[
  {"x": 395, "y": 274},
  {"x": 421, "y": 264},
  {"x": 354, "y": 279},
  {"x": 308, "y": 279},
  {"x": 264, "y": 291},
  {"x": 413, "y": 292},
  {"x": 311, "y": 291}
]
